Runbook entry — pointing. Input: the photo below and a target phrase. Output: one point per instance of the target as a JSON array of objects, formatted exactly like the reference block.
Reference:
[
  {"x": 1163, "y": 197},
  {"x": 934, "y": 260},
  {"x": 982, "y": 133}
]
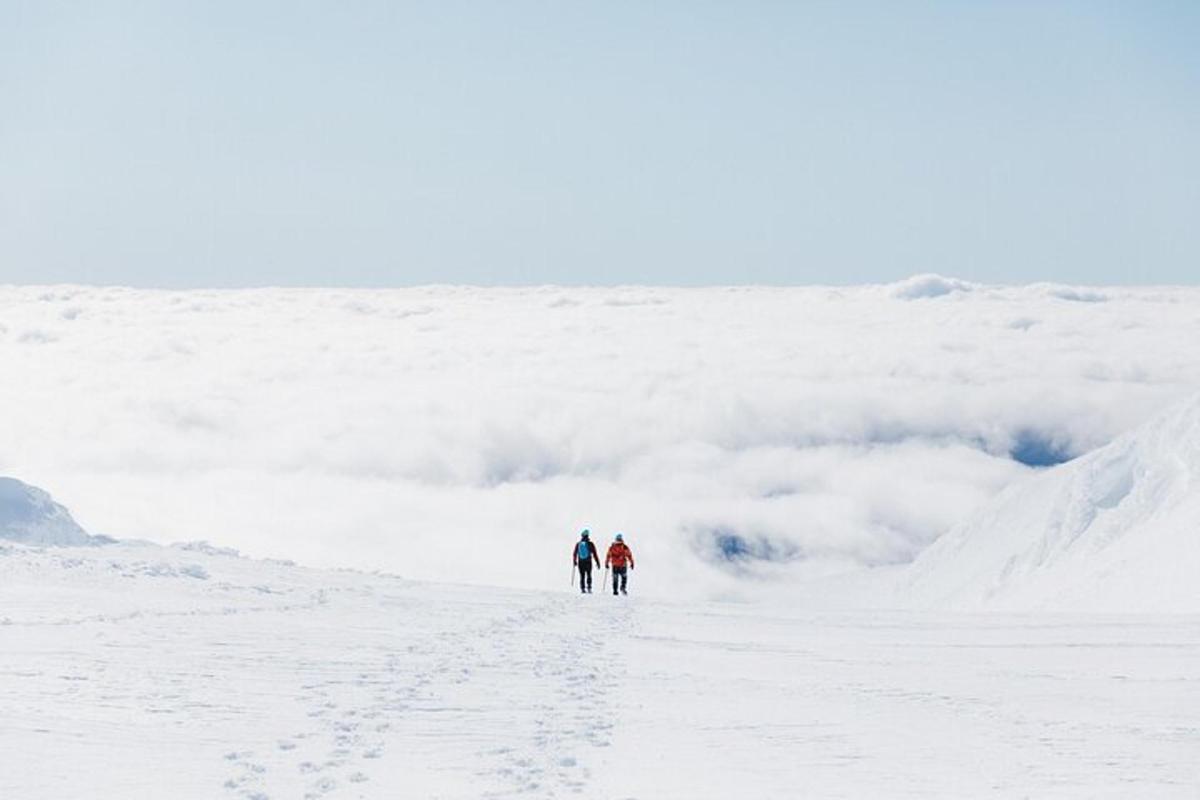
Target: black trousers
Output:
[
  {"x": 585, "y": 575},
  {"x": 620, "y": 576}
]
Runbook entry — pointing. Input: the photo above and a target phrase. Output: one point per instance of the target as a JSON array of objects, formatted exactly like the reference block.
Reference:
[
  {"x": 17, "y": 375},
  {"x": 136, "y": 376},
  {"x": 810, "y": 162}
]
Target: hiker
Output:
[
  {"x": 618, "y": 556},
  {"x": 583, "y": 554}
]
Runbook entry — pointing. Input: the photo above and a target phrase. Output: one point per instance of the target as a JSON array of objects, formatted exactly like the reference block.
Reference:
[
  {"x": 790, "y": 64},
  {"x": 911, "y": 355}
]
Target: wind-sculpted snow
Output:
[
  {"x": 463, "y": 433},
  {"x": 30, "y": 516},
  {"x": 1114, "y": 530}
]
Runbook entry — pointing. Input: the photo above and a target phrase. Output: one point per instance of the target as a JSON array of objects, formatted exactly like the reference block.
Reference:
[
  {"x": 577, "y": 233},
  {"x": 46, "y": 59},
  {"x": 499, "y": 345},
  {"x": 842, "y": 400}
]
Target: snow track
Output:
[
  {"x": 264, "y": 681},
  {"x": 500, "y": 699}
]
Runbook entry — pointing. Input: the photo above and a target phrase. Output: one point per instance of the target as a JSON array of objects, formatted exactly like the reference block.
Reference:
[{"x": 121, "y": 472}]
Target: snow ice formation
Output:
[
  {"x": 1115, "y": 530},
  {"x": 29, "y": 515}
]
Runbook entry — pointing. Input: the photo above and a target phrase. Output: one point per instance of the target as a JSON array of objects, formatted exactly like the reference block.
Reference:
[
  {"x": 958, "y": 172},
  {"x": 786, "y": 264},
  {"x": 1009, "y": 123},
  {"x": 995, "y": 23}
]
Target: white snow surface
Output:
[
  {"x": 1117, "y": 529},
  {"x": 791, "y": 450},
  {"x": 29, "y": 515},
  {"x": 743, "y": 439},
  {"x": 139, "y": 671}
]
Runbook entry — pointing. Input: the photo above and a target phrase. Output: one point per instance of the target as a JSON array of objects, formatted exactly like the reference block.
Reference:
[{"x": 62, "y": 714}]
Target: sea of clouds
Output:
[{"x": 740, "y": 437}]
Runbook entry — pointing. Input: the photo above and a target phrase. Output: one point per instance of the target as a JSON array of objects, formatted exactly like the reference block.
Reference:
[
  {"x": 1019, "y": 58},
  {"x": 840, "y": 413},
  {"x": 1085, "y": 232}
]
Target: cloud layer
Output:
[{"x": 740, "y": 437}]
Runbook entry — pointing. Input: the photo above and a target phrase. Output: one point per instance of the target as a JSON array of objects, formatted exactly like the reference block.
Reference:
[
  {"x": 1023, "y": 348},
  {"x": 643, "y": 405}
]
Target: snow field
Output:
[
  {"x": 785, "y": 704},
  {"x": 264, "y": 680},
  {"x": 293, "y": 684}
]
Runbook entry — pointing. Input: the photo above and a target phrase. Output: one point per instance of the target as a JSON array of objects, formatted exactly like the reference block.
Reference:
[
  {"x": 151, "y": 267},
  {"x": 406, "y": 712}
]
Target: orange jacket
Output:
[{"x": 618, "y": 554}]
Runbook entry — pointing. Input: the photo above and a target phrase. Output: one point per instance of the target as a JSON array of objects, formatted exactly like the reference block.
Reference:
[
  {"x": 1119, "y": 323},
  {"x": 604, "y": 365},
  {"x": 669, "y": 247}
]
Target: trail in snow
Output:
[
  {"x": 425, "y": 704},
  {"x": 123, "y": 675},
  {"x": 319, "y": 684}
]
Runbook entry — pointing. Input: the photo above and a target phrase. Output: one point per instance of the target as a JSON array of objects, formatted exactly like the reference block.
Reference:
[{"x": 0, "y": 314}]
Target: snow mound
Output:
[
  {"x": 30, "y": 516},
  {"x": 1115, "y": 530},
  {"x": 922, "y": 286}
]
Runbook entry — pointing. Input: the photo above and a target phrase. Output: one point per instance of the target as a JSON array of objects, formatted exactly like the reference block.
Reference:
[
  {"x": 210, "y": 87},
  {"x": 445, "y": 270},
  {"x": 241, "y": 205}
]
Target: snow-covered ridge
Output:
[
  {"x": 1118, "y": 529},
  {"x": 30, "y": 516}
]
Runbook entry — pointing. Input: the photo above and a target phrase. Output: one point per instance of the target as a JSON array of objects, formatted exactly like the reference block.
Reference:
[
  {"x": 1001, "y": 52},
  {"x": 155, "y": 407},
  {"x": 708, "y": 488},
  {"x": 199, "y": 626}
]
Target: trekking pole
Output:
[{"x": 605, "y": 584}]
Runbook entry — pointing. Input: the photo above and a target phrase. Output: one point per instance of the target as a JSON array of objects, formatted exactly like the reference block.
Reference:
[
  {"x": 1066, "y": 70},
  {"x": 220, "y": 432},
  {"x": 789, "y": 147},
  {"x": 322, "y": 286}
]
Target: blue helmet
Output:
[
  {"x": 620, "y": 538},
  {"x": 586, "y": 533}
]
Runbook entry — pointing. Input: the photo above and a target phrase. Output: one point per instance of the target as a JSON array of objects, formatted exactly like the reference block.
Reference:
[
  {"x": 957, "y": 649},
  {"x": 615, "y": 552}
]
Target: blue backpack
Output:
[{"x": 584, "y": 550}]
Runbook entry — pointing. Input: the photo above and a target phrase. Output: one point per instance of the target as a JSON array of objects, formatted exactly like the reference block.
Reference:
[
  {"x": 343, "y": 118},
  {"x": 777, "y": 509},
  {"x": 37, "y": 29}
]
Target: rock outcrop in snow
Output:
[
  {"x": 30, "y": 516},
  {"x": 1115, "y": 530}
]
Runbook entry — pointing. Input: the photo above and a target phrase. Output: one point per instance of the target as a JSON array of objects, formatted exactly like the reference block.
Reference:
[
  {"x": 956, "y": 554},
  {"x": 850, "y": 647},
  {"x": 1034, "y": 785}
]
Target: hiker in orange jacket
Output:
[{"x": 618, "y": 556}]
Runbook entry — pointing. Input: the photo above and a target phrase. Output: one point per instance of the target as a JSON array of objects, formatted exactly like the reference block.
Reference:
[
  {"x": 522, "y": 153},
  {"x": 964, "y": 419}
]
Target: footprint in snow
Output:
[{"x": 321, "y": 787}]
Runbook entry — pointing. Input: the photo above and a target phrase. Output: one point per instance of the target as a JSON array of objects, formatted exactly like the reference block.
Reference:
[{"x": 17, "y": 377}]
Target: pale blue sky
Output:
[{"x": 389, "y": 143}]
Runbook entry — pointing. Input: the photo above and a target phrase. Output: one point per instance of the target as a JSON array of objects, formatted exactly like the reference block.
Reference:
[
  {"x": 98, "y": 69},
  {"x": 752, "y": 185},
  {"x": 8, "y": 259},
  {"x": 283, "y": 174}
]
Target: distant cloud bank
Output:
[{"x": 738, "y": 436}]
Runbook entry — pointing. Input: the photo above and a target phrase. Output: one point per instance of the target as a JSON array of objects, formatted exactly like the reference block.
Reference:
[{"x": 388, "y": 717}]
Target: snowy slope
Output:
[
  {"x": 29, "y": 515},
  {"x": 140, "y": 671},
  {"x": 1118, "y": 529}
]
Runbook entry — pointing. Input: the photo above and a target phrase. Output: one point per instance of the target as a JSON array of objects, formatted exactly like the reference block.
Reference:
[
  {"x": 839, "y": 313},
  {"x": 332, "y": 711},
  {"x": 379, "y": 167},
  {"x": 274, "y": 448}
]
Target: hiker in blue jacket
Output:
[{"x": 583, "y": 554}]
